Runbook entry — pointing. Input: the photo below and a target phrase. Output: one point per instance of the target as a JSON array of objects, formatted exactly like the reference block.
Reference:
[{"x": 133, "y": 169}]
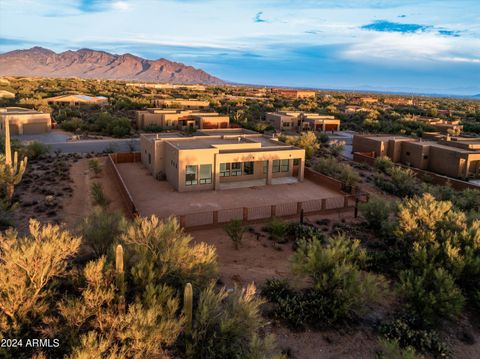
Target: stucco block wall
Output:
[
  {"x": 416, "y": 155},
  {"x": 445, "y": 162}
]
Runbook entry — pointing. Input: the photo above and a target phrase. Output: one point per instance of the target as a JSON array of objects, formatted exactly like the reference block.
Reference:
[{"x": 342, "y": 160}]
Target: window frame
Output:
[
  {"x": 226, "y": 171},
  {"x": 205, "y": 180},
  {"x": 276, "y": 166},
  {"x": 252, "y": 163},
  {"x": 236, "y": 171},
  {"x": 194, "y": 181},
  {"x": 284, "y": 167}
]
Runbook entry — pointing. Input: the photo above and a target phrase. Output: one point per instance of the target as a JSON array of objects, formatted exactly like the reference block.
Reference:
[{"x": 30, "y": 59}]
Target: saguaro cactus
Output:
[
  {"x": 188, "y": 312},
  {"x": 14, "y": 170},
  {"x": 120, "y": 277}
]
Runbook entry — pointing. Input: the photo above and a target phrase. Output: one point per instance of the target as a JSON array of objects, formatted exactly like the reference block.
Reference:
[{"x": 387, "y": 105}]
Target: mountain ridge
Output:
[{"x": 98, "y": 64}]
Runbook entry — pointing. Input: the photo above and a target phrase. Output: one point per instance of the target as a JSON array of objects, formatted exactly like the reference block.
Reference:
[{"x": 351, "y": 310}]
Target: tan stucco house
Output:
[
  {"x": 74, "y": 100},
  {"x": 181, "y": 103},
  {"x": 180, "y": 119},
  {"x": 24, "y": 121},
  {"x": 302, "y": 121},
  {"x": 457, "y": 157},
  {"x": 213, "y": 157}
]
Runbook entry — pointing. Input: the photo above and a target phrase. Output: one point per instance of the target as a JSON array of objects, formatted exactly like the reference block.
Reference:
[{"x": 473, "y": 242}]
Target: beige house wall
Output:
[
  {"x": 28, "y": 123},
  {"x": 416, "y": 155}
]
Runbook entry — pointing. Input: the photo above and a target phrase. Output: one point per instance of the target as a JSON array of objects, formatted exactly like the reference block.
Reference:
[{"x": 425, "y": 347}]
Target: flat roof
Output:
[
  {"x": 17, "y": 110},
  {"x": 210, "y": 142}
]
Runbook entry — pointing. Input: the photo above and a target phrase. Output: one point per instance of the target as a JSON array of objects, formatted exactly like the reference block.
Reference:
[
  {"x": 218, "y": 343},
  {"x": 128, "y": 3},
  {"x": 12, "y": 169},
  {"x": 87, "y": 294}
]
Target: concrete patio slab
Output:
[{"x": 159, "y": 197}]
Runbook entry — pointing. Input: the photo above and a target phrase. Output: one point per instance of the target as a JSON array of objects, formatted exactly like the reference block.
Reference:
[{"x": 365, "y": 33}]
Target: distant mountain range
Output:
[{"x": 86, "y": 63}]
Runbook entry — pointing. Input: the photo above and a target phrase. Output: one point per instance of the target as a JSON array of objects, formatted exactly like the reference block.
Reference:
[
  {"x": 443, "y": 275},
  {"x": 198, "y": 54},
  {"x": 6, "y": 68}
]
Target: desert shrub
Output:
[
  {"x": 405, "y": 331},
  {"x": 227, "y": 325},
  {"x": 308, "y": 141},
  {"x": 100, "y": 230},
  {"x": 323, "y": 138},
  {"x": 94, "y": 166},
  {"x": 36, "y": 149},
  {"x": 402, "y": 182},
  {"x": 335, "y": 148},
  {"x": 29, "y": 266},
  {"x": 376, "y": 211},
  {"x": 383, "y": 164},
  {"x": 278, "y": 229},
  {"x": 275, "y": 289},
  {"x": 340, "y": 171},
  {"x": 98, "y": 327},
  {"x": 302, "y": 231},
  {"x": 433, "y": 234},
  {"x": 98, "y": 195},
  {"x": 341, "y": 290},
  {"x": 235, "y": 230},
  {"x": 73, "y": 125},
  {"x": 391, "y": 349},
  {"x": 164, "y": 255},
  {"x": 153, "y": 128},
  {"x": 431, "y": 295}
]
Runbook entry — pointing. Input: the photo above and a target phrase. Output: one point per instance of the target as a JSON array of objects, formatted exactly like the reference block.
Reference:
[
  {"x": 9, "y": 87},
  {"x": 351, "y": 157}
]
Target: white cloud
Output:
[
  {"x": 121, "y": 5},
  {"x": 407, "y": 48}
]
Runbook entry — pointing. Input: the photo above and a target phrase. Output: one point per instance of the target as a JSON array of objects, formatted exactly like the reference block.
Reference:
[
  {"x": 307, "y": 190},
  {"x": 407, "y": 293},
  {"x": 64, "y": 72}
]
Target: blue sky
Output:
[{"x": 386, "y": 45}]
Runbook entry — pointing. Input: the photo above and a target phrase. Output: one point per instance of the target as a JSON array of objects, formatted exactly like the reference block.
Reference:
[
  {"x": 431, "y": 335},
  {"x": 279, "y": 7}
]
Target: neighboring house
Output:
[
  {"x": 302, "y": 121},
  {"x": 296, "y": 94},
  {"x": 24, "y": 121},
  {"x": 6, "y": 94},
  {"x": 457, "y": 157},
  {"x": 180, "y": 119},
  {"x": 402, "y": 101},
  {"x": 181, "y": 103},
  {"x": 212, "y": 157},
  {"x": 443, "y": 126},
  {"x": 163, "y": 86},
  {"x": 74, "y": 100}
]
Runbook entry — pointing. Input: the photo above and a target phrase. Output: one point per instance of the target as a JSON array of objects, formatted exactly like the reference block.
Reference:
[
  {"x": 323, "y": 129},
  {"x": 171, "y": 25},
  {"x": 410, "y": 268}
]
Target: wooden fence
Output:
[{"x": 262, "y": 213}]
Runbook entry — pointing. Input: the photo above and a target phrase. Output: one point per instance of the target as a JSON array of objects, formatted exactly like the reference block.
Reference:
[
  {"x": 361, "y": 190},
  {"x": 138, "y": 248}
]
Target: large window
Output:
[
  {"x": 191, "y": 175},
  {"x": 284, "y": 166},
  {"x": 276, "y": 166},
  {"x": 205, "y": 174},
  {"x": 236, "y": 168},
  {"x": 224, "y": 169},
  {"x": 296, "y": 162},
  {"x": 248, "y": 168},
  {"x": 265, "y": 167}
]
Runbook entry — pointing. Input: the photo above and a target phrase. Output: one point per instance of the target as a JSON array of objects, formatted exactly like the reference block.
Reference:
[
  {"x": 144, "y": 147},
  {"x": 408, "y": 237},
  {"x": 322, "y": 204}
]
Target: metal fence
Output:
[{"x": 254, "y": 214}]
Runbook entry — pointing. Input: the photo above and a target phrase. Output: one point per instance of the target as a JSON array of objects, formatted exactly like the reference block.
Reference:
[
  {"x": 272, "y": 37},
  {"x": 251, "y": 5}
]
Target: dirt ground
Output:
[
  {"x": 80, "y": 204},
  {"x": 57, "y": 190},
  {"x": 258, "y": 260},
  {"x": 159, "y": 197}
]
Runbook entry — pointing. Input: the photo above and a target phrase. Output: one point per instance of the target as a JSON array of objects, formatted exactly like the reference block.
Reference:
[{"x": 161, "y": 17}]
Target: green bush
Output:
[
  {"x": 376, "y": 211},
  {"x": 100, "y": 230},
  {"x": 227, "y": 325},
  {"x": 153, "y": 128},
  {"x": 164, "y": 255},
  {"x": 402, "y": 182},
  {"x": 98, "y": 195},
  {"x": 303, "y": 231},
  {"x": 407, "y": 334},
  {"x": 94, "y": 165},
  {"x": 73, "y": 125},
  {"x": 391, "y": 349},
  {"x": 278, "y": 229},
  {"x": 276, "y": 289},
  {"x": 341, "y": 290},
  {"x": 340, "y": 171},
  {"x": 383, "y": 164},
  {"x": 36, "y": 149},
  {"x": 431, "y": 295},
  {"x": 235, "y": 230}
]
